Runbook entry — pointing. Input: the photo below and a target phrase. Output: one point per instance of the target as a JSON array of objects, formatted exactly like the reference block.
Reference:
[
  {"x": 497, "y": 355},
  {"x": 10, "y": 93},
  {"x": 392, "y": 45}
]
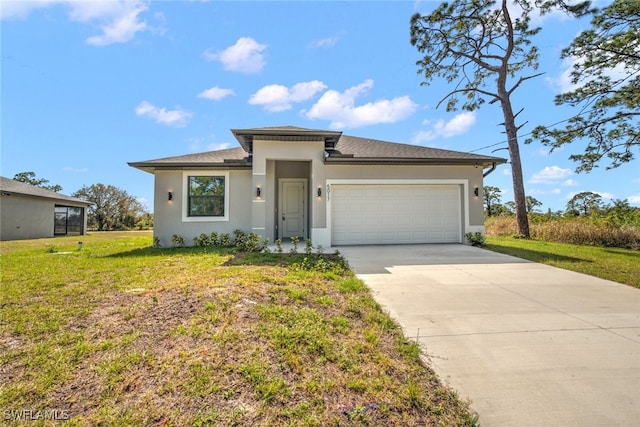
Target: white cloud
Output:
[
  {"x": 218, "y": 146},
  {"x": 22, "y": 9},
  {"x": 325, "y": 43},
  {"x": 176, "y": 118},
  {"x": 563, "y": 83},
  {"x": 245, "y": 56},
  {"x": 274, "y": 98},
  {"x": 550, "y": 175},
  {"x": 215, "y": 93},
  {"x": 340, "y": 108},
  {"x": 119, "y": 21},
  {"x": 570, "y": 183},
  {"x": 458, "y": 125},
  {"x": 634, "y": 199},
  {"x": 606, "y": 195}
]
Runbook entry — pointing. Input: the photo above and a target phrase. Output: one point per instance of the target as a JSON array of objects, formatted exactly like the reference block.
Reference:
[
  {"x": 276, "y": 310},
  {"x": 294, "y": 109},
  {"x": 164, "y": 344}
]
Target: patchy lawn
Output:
[{"x": 119, "y": 333}]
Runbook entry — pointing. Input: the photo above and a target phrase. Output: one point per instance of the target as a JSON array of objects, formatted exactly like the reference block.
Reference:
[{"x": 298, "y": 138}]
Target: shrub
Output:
[
  {"x": 294, "y": 242},
  {"x": 225, "y": 240},
  {"x": 213, "y": 238},
  {"x": 476, "y": 239},
  {"x": 177, "y": 241},
  {"x": 201, "y": 241}
]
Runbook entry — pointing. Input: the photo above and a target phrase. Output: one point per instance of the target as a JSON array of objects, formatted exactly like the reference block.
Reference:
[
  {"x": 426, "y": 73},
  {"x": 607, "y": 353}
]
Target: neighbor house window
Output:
[
  {"x": 68, "y": 220},
  {"x": 206, "y": 196}
]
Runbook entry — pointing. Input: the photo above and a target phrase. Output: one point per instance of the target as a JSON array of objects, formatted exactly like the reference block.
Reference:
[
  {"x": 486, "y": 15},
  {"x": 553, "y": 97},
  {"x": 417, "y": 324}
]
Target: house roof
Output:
[
  {"x": 10, "y": 186},
  {"x": 287, "y": 133},
  {"x": 339, "y": 148}
]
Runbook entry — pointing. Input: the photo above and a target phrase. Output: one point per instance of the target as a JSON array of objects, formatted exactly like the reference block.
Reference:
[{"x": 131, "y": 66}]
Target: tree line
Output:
[
  {"x": 111, "y": 208},
  {"x": 585, "y": 204}
]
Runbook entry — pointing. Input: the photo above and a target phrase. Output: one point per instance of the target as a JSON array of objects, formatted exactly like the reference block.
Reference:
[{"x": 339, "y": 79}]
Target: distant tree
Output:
[
  {"x": 622, "y": 213},
  {"x": 532, "y": 203},
  {"x": 30, "y": 178},
  {"x": 510, "y": 206},
  {"x": 491, "y": 196},
  {"x": 606, "y": 70},
  {"x": 112, "y": 208},
  {"x": 584, "y": 203}
]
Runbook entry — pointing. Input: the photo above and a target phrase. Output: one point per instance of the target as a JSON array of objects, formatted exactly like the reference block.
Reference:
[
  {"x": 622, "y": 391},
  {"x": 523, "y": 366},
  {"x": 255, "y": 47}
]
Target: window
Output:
[
  {"x": 206, "y": 196},
  {"x": 68, "y": 220}
]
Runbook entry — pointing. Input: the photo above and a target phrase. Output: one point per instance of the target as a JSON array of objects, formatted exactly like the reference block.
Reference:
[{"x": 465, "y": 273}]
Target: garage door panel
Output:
[{"x": 370, "y": 214}]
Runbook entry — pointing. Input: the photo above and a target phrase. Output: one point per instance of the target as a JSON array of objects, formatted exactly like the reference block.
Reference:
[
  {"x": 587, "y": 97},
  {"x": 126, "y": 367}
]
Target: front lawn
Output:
[
  {"x": 616, "y": 264},
  {"x": 120, "y": 333}
]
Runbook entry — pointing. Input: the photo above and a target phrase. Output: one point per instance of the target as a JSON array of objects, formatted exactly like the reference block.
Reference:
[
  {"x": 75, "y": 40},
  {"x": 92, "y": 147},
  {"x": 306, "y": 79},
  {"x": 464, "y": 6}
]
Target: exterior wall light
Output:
[
  {"x": 476, "y": 191},
  {"x": 319, "y": 192},
  {"x": 258, "y": 192},
  {"x": 169, "y": 196}
]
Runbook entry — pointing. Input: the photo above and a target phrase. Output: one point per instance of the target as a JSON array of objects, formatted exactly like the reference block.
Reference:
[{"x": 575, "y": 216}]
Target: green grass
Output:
[
  {"x": 120, "y": 333},
  {"x": 616, "y": 264}
]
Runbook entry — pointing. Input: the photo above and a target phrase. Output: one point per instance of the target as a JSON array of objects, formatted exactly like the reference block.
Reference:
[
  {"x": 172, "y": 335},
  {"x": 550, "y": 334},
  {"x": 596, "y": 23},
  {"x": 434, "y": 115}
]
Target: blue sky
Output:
[{"x": 87, "y": 86}]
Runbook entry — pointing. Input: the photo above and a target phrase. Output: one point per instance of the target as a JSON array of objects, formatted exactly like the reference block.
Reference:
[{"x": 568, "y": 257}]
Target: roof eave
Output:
[
  {"x": 9, "y": 193},
  {"x": 152, "y": 167},
  {"x": 413, "y": 161},
  {"x": 245, "y": 136}
]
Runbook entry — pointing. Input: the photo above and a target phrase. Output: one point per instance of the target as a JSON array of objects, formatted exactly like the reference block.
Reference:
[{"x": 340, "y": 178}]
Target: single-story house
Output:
[
  {"x": 332, "y": 188},
  {"x": 30, "y": 212}
]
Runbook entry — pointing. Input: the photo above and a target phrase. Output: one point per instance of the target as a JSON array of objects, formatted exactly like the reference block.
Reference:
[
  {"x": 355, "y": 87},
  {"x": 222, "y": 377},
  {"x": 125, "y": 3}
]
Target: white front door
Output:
[{"x": 292, "y": 216}]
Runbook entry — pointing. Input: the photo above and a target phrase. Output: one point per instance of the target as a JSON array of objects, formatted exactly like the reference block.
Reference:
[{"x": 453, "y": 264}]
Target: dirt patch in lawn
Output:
[{"x": 289, "y": 349}]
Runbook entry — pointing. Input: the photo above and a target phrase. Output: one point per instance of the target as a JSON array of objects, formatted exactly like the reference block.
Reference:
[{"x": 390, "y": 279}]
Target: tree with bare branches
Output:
[{"x": 483, "y": 49}]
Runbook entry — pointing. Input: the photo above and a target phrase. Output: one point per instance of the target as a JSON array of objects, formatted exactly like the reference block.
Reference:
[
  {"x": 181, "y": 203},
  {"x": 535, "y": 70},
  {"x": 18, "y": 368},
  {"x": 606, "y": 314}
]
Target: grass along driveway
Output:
[
  {"x": 616, "y": 264},
  {"x": 119, "y": 333}
]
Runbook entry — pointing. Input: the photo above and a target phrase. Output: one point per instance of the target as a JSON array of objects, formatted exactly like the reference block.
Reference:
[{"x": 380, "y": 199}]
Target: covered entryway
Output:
[{"x": 393, "y": 214}]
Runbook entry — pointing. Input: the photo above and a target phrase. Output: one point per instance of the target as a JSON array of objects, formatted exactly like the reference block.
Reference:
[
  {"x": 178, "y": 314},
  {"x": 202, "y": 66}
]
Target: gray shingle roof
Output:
[
  {"x": 347, "y": 150},
  {"x": 360, "y": 149},
  {"x": 10, "y": 186},
  {"x": 234, "y": 157}
]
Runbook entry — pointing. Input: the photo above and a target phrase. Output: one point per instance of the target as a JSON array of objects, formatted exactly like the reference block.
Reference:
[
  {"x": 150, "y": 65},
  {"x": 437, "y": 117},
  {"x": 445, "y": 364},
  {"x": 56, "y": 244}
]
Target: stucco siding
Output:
[
  {"x": 468, "y": 174},
  {"x": 25, "y": 217},
  {"x": 169, "y": 215}
]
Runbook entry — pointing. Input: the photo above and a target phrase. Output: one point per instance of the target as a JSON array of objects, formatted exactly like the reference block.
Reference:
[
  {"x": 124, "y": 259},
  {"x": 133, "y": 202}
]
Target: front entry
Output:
[{"x": 292, "y": 218}]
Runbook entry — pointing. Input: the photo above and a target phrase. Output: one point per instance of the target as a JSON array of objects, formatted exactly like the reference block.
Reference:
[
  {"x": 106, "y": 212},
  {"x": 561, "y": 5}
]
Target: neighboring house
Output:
[
  {"x": 332, "y": 188},
  {"x": 30, "y": 212}
]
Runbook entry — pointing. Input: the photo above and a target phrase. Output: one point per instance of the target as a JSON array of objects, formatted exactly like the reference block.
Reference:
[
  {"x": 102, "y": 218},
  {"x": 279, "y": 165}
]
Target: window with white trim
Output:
[{"x": 206, "y": 196}]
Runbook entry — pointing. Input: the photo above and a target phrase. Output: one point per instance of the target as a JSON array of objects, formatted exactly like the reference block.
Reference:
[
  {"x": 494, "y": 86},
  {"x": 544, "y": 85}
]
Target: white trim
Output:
[
  {"x": 462, "y": 182},
  {"x": 185, "y": 196}
]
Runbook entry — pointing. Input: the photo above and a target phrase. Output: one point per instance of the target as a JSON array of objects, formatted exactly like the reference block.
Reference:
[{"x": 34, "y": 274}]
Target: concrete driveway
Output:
[{"x": 526, "y": 343}]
